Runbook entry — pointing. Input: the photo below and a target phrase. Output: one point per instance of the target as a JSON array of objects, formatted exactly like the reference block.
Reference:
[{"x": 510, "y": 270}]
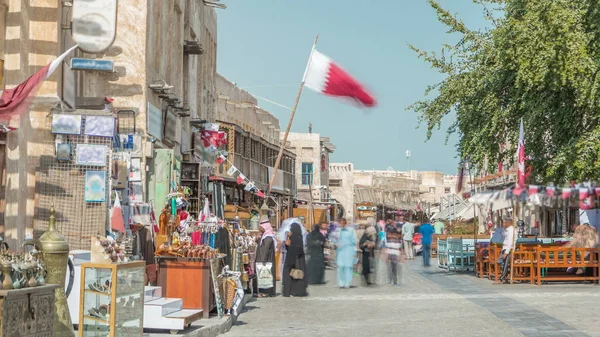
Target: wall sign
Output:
[
  {"x": 155, "y": 122},
  {"x": 91, "y": 64},
  {"x": 94, "y": 24}
]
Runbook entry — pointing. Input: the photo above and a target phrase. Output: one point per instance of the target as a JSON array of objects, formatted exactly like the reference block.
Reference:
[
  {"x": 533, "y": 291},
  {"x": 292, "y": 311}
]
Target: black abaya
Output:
[
  {"x": 366, "y": 257},
  {"x": 265, "y": 252},
  {"x": 294, "y": 259},
  {"x": 316, "y": 258}
]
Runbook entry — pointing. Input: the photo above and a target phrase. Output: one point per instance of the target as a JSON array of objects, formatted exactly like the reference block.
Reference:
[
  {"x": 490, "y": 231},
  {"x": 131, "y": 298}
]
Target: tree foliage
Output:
[{"x": 538, "y": 60}]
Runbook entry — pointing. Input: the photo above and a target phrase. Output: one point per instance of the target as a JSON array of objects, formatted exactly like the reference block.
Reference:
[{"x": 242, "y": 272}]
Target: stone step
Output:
[
  {"x": 163, "y": 306},
  {"x": 152, "y": 293}
]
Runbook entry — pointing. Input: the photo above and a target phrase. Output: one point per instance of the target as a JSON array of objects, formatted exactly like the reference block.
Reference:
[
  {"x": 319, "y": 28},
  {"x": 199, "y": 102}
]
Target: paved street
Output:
[{"x": 429, "y": 303}]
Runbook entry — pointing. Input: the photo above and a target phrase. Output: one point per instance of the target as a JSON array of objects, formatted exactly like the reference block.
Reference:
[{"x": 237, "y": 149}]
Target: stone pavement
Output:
[{"x": 430, "y": 302}]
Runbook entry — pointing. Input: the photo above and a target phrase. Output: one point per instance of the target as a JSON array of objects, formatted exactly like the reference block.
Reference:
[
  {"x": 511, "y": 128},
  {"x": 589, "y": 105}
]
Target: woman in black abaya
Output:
[
  {"x": 294, "y": 259},
  {"x": 315, "y": 242}
]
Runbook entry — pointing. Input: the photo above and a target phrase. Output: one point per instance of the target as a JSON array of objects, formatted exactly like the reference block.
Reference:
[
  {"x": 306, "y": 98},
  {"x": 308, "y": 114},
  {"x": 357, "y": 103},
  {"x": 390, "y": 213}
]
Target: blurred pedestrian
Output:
[
  {"x": 265, "y": 260},
  {"x": 294, "y": 267},
  {"x": 315, "y": 242},
  {"x": 345, "y": 254},
  {"x": 408, "y": 230},
  {"x": 367, "y": 244},
  {"x": 393, "y": 254},
  {"x": 426, "y": 230}
]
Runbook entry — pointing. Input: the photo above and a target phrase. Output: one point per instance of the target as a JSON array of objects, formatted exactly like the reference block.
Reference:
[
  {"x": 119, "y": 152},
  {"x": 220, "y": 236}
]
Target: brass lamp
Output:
[{"x": 55, "y": 254}]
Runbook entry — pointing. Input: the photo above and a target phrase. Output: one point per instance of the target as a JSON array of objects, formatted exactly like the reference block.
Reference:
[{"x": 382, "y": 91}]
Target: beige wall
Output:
[
  {"x": 148, "y": 47},
  {"x": 345, "y": 193}
]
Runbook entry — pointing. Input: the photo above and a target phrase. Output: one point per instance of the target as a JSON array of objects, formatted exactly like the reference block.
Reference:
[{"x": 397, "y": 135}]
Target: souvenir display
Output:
[
  {"x": 21, "y": 270},
  {"x": 91, "y": 155},
  {"x": 63, "y": 152},
  {"x": 109, "y": 250},
  {"x": 101, "y": 126},
  {"x": 187, "y": 249},
  {"x": 66, "y": 124},
  {"x": 112, "y": 298}
]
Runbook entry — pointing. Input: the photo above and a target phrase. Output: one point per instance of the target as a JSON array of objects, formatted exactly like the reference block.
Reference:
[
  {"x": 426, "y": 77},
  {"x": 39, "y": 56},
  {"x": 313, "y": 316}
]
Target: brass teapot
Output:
[{"x": 54, "y": 251}]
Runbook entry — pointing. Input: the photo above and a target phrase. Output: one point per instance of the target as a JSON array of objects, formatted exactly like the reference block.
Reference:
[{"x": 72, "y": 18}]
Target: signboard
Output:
[
  {"x": 90, "y": 64},
  {"x": 155, "y": 122},
  {"x": 94, "y": 24}
]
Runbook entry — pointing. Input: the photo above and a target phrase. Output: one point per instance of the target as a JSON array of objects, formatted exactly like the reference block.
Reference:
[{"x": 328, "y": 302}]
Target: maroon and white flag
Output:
[
  {"x": 521, "y": 157},
  {"x": 16, "y": 101},
  {"x": 325, "y": 76}
]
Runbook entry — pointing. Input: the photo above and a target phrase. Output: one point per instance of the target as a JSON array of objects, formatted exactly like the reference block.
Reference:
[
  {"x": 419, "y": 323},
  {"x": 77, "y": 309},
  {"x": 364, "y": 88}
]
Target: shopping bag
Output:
[{"x": 265, "y": 275}]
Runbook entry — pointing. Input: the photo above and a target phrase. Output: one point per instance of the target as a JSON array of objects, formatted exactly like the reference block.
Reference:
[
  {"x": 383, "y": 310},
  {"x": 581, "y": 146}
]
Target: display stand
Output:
[
  {"x": 189, "y": 279},
  {"x": 112, "y": 299},
  {"x": 17, "y": 306}
]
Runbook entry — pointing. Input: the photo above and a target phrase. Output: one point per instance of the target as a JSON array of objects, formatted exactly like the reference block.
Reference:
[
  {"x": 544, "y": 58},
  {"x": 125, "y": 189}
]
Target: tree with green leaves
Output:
[{"x": 537, "y": 60}]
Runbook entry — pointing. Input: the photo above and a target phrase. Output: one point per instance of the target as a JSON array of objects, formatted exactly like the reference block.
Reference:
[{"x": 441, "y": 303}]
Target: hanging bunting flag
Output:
[
  {"x": 584, "y": 193},
  {"x": 249, "y": 187},
  {"x": 517, "y": 190},
  {"x": 566, "y": 193},
  {"x": 586, "y": 200},
  {"x": 260, "y": 194},
  {"x": 220, "y": 159},
  {"x": 597, "y": 191},
  {"x": 116, "y": 218},
  {"x": 533, "y": 189},
  {"x": 231, "y": 171},
  {"x": 6, "y": 128},
  {"x": 240, "y": 179},
  {"x": 550, "y": 191},
  {"x": 521, "y": 157}
]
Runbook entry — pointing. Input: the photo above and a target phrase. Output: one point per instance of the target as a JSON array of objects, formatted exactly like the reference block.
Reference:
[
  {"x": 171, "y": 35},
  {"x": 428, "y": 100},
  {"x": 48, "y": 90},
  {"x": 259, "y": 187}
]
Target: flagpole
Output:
[{"x": 289, "y": 126}]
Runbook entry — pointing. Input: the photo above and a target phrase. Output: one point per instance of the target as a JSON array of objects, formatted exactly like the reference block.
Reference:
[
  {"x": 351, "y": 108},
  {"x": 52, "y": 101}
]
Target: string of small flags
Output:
[
  {"x": 212, "y": 138},
  {"x": 585, "y": 193}
]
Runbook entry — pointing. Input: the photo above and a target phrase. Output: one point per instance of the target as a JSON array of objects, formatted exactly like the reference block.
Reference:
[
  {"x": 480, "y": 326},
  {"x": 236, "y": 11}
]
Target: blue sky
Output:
[{"x": 263, "y": 45}]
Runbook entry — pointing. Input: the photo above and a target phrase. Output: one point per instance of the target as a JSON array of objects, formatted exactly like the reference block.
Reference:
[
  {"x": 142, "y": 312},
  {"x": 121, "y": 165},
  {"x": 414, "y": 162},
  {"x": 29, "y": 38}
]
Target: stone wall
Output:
[{"x": 344, "y": 194}]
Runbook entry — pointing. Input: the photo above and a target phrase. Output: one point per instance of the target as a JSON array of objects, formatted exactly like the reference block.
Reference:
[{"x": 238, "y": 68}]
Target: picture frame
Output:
[
  {"x": 91, "y": 155},
  {"x": 100, "y": 126},
  {"x": 95, "y": 186},
  {"x": 64, "y": 124},
  {"x": 63, "y": 152}
]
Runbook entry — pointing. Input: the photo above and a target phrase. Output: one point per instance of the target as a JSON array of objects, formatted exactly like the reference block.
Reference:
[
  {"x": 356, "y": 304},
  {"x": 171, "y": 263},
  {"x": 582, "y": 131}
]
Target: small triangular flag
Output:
[
  {"x": 240, "y": 179},
  {"x": 260, "y": 194},
  {"x": 231, "y": 171}
]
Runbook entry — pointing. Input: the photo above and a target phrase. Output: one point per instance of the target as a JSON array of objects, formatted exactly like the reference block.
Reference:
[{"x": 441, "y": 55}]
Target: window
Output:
[
  {"x": 432, "y": 190},
  {"x": 447, "y": 190},
  {"x": 307, "y": 173},
  {"x": 335, "y": 182}
]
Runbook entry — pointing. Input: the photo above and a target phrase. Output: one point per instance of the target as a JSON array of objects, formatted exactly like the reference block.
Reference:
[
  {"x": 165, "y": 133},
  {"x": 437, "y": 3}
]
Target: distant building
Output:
[{"x": 341, "y": 187}]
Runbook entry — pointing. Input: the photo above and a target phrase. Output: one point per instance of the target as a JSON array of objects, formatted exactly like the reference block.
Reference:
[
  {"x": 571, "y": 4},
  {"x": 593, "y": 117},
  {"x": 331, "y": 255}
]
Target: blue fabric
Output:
[
  {"x": 426, "y": 254},
  {"x": 344, "y": 275},
  {"x": 426, "y": 231},
  {"x": 346, "y": 248}
]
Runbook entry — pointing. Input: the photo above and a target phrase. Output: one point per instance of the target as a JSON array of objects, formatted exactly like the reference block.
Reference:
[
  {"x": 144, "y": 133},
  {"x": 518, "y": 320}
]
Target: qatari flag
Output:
[
  {"x": 325, "y": 76},
  {"x": 16, "y": 101}
]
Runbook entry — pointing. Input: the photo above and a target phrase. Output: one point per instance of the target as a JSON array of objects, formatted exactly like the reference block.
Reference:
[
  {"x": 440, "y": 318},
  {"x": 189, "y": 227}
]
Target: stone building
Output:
[
  {"x": 390, "y": 189},
  {"x": 341, "y": 186},
  {"x": 164, "y": 77},
  {"x": 253, "y": 146},
  {"x": 312, "y": 164}
]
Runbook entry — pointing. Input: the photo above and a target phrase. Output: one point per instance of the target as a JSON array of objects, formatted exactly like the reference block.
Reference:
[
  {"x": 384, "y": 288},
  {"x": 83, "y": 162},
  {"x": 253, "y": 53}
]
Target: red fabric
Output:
[
  {"x": 116, "y": 220},
  {"x": 196, "y": 238},
  {"x": 341, "y": 84},
  {"x": 260, "y": 194},
  {"x": 521, "y": 157},
  {"x": 16, "y": 101},
  {"x": 566, "y": 193},
  {"x": 533, "y": 189},
  {"x": 550, "y": 191},
  {"x": 220, "y": 159}
]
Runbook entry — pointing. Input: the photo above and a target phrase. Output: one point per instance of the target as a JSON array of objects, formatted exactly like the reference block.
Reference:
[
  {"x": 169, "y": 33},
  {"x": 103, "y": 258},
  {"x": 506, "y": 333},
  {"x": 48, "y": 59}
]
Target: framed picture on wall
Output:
[
  {"x": 95, "y": 186},
  {"x": 66, "y": 124},
  {"x": 92, "y": 155},
  {"x": 101, "y": 126},
  {"x": 63, "y": 152}
]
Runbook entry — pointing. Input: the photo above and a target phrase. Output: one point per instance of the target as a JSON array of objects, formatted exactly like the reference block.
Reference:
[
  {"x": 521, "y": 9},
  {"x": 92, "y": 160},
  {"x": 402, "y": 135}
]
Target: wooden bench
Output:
[
  {"x": 559, "y": 257},
  {"x": 523, "y": 262},
  {"x": 482, "y": 259}
]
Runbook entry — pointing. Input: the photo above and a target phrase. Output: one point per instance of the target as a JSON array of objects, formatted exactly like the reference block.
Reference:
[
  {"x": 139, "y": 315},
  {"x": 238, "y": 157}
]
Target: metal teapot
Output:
[{"x": 55, "y": 254}]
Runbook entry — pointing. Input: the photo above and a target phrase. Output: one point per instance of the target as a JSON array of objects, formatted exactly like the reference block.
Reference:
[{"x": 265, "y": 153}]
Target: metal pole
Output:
[{"x": 289, "y": 126}]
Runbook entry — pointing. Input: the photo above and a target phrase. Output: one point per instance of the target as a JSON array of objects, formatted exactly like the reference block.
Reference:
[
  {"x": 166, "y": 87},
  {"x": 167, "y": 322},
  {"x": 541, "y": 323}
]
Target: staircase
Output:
[{"x": 166, "y": 313}]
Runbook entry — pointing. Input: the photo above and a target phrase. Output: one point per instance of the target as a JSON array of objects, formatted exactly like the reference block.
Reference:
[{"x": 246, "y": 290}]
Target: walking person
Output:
[
  {"x": 426, "y": 230},
  {"x": 408, "y": 230},
  {"x": 507, "y": 247},
  {"x": 315, "y": 242},
  {"x": 345, "y": 254},
  {"x": 265, "y": 259},
  {"x": 393, "y": 254},
  {"x": 367, "y": 244},
  {"x": 294, "y": 267}
]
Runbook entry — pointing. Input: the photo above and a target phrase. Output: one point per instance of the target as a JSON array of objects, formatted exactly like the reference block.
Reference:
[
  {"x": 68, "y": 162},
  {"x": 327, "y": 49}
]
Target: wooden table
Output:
[
  {"x": 189, "y": 280},
  {"x": 27, "y": 312}
]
